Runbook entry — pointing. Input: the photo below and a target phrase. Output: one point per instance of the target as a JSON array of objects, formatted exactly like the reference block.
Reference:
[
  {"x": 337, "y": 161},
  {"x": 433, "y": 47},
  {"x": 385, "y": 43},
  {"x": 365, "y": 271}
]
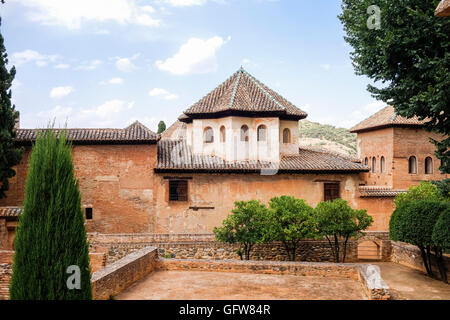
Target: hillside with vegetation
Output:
[{"x": 327, "y": 137}]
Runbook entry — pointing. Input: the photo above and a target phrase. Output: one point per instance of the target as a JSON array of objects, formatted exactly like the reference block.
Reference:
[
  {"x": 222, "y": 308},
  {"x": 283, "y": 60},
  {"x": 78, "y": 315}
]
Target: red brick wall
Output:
[{"x": 414, "y": 142}]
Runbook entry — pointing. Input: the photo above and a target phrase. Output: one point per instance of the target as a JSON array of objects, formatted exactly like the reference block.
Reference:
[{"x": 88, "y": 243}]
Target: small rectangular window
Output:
[
  {"x": 88, "y": 213},
  {"x": 178, "y": 190},
  {"x": 331, "y": 191}
]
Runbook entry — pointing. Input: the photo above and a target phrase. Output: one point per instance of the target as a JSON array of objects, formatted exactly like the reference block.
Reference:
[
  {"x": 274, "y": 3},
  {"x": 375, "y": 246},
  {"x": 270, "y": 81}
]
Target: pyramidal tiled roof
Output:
[
  {"x": 134, "y": 133},
  {"x": 245, "y": 94},
  {"x": 386, "y": 117}
]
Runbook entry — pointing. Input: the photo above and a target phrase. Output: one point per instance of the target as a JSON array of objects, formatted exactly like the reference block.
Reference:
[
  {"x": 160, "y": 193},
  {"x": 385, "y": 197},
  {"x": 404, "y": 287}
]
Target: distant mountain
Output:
[{"x": 327, "y": 137}]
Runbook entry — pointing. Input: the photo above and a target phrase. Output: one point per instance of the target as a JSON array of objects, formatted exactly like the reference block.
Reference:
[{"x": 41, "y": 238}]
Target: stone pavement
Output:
[
  {"x": 409, "y": 284},
  {"x": 202, "y": 285}
]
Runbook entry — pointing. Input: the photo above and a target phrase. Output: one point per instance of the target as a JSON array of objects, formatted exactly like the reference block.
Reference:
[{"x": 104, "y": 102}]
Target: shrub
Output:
[
  {"x": 337, "y": 222},
  {"x": 51, "y": 234},
  {"x": 290, "y": 221},
  {"x": 441, "y": 231},
  {"x": 424, "y": 191},
  {"x": 413, "y": 222},
  {"x": 244, "y": 226}
]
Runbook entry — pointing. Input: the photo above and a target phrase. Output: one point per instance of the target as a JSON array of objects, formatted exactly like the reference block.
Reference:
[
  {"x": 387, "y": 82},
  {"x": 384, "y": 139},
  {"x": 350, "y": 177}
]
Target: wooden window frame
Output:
[
  {"x": 328, "y": 192},
  {"x": 175, "y": 196}
]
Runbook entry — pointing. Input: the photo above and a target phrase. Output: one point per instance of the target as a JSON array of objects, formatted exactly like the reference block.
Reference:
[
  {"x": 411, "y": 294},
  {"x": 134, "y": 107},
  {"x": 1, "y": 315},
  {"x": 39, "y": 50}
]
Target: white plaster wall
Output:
[{"x": 289, "y": 148}]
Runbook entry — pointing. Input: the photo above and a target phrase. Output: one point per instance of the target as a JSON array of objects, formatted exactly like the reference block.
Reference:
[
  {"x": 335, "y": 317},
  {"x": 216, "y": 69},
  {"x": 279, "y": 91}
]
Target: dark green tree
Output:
[
  {"x": 338, "y": 222},
  {"x": 289, "y": 221},
  {"x": 413, "y": 222},
  {"x": 51, "y": 234},
  {"x": 408, "y": 56},
  {"x": 441, "y": 240},
  {"x": 10, "y": 155},
  {"x": 161, "y": 127},
  {"x": 244, "y": 226}
]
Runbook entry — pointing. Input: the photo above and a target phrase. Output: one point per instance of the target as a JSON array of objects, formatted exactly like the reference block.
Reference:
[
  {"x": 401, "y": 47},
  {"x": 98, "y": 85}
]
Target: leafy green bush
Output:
[
  {"x": 443, "y": 188},
  {"x": 424, "y": 191},
  {"x": 413, "y": 222},
  {"x": 244, "y": 226},
  {"x": 337, "y": 222},
  {"x": 51, "y": 235},
  {"x": 441, "y": 230},
  {"x": 289, "y": 220}
]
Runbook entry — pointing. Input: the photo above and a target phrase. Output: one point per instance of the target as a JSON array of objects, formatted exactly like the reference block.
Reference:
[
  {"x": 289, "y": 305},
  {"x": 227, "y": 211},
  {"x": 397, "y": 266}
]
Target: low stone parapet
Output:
[
  {"x": 114, "y": 278},
  {"x": 374, "y": 285}
]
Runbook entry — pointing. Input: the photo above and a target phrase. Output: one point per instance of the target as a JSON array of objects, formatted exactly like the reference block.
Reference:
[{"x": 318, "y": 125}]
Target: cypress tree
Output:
[
  {"x": 10, "y": 155},
  {"x": 161, "y": 127},
  {"x": 51, "y": 235}
]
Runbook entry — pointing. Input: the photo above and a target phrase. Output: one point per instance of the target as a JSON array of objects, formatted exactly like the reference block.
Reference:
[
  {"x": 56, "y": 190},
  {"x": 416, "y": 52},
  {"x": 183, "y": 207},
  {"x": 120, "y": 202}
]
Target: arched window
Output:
[
  {"x": 244, "y": 133},
  {"x": 223, "y": 134},
  {"x": 262, "y": 133},
  {"x": 208, "y": 135},
  {"x": 428, "y": 165},
  {"x": 374, "y": 164},
  {"x": 412, "y": 165},
  {"x": 366, "y": 161},
  {"x": 286, "y": 136},
  {"x": 382, "y": 164}
]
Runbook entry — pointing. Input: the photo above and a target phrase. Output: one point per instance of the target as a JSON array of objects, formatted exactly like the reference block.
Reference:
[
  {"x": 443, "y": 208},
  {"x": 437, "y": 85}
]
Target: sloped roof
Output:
[
  {"x": 377, "y": 191},
  {"x": 443, "y": 9},
  {"x": 176, "y": 156},
  {"x": 135, "y": 133},
  {"x": 10, "y": 211},
  {"x": 176, "y": 131},
  {"x": 386, "y": 117},
  {"x": 242, "y": 94}
]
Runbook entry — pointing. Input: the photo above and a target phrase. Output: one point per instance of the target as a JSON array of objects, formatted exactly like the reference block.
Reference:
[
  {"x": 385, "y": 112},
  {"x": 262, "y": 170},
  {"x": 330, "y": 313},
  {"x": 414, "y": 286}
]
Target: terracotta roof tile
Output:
[
  {"x": 175, "y": 155},
  {"x": 443, "y": 9},
  {"x": 10, "y": 211},
  {"x": 243, "y": 93},
  {"x": 386, "y": 117},
  {"x": 136, "y": 132},
  {"x": 377, "y": 191}
]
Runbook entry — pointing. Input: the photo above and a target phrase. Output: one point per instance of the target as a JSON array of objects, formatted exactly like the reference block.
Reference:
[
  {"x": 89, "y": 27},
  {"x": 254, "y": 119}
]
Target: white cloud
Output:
[
  {"x": 20, "y": 58},
  {"x": 73, "y": 13},
  {"x": 162, "y": 93},
  {"x": 62, "y": 66},
  {"x": 195, "y": 56},
  {"x": 58, "y": 112},
  {"x": 60, "y": 92},
  {"x": 125, "y": 65},
  {"x": 89, "y": 65},
  {"x": 359, "y": 115},
  {"x": 116, "y": 80},
  {"x": 325, "y": 66},
  {"x": 185, "y": 3}
]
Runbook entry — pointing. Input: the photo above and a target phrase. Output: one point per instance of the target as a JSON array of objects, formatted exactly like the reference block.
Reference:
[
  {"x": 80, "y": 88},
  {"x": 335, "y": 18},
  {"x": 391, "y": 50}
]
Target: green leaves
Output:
[
  {"x": 10, "y": 155},
  {"x": 51, "y": 235},
  {"x": 424, "y": 191},
  {"x": 409, "y": 57}
]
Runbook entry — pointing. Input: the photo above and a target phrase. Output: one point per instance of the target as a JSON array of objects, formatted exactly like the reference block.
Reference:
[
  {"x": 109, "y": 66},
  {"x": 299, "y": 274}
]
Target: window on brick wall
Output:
[
  {"x": 178, "y": 190},
  {"x": 428, "y": 165},
  {"x": 412, "y": 165},
  {"x": 374, "y": 165},
  {"x": 88, "y": 213},
  {"x": 382, "y": 165},
  {"x": 331, "y": 191}
]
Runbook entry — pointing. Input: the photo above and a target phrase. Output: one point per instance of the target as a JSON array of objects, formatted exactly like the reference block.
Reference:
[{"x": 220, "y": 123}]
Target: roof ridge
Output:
[
  {"x": 255, "y": 81},
  {"x": 233, "y": 96}
]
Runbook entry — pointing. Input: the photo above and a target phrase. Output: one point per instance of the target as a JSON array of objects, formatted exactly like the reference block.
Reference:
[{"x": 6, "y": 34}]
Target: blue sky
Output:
[{"x": 106, "y": 63}]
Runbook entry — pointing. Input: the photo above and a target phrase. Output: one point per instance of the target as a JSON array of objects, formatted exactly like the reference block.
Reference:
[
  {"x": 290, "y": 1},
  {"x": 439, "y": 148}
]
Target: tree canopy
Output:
[
  {"x": 337, "y": 222},
  {"x": 51, "y": 237},
  {"x": 161, "y": 127},
  {"x": 244, "y": 226},
  {"x": 408, "y": 57},
  {"x": 290, "y": 220},
  {"x": 10, "y": 155}
]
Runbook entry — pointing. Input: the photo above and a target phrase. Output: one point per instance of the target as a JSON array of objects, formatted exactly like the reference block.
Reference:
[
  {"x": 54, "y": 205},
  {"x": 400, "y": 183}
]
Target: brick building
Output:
[{"x": 239, "y": 142}]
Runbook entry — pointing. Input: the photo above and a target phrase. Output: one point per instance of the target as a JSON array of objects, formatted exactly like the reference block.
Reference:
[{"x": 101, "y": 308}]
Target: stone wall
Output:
[
  {"x": 410, "y": 256},
  {"x": 5, "y": 276},
  {"x": 204, "y": 246},
  {"x": 114, "y": 278}
]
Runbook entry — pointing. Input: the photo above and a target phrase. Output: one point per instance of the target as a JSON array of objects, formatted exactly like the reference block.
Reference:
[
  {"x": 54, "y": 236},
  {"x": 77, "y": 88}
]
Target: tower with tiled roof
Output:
[
  {"x": 243, "y": 119},
  {"x": 397, "y": 150}
]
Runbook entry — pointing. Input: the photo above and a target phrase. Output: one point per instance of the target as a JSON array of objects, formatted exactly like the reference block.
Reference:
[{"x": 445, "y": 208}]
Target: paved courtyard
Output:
[{"x": 200, "y": 285}]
